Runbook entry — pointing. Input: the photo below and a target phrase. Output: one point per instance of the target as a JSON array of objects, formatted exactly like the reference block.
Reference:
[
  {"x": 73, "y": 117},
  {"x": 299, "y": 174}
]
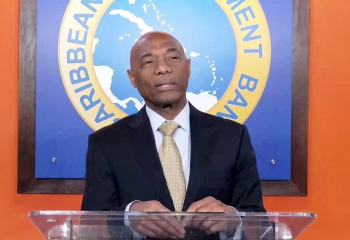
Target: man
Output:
[{"x": 203, "y": 164}]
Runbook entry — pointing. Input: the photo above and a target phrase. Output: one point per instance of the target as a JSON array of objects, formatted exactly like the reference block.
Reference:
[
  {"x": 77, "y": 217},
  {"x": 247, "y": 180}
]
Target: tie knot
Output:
[{"x": 168, "y": 128}]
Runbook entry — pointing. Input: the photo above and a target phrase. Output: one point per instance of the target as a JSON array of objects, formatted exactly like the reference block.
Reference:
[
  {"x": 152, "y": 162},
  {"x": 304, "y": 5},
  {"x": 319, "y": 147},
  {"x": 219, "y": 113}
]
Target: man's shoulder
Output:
[{"x": 224, "y": 124}]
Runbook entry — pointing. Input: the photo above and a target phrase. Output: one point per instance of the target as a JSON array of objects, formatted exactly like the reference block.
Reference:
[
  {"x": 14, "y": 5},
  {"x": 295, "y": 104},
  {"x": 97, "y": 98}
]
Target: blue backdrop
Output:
[{"x": 62, "y": 134}]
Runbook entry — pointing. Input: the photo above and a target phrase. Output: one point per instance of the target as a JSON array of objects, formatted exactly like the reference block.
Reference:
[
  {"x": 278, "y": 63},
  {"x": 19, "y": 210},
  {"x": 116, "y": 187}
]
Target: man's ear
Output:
[
  {"x": 132, "y": 79},
  {"x": 189, "y": 67}
]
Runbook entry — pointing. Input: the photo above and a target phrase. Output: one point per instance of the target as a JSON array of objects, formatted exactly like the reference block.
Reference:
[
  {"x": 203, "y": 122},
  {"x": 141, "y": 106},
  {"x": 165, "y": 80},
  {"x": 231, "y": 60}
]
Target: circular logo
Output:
[{"x": 228, "y": 43}]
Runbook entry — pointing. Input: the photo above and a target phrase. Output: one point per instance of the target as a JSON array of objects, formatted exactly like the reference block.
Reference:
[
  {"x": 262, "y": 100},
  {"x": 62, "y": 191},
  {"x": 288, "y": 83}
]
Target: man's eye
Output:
[{"x": 147, "y": 62}]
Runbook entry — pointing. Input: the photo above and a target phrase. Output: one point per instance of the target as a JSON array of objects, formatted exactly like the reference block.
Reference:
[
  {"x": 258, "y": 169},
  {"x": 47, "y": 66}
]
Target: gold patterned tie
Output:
[{"x": 170, "y": 160}]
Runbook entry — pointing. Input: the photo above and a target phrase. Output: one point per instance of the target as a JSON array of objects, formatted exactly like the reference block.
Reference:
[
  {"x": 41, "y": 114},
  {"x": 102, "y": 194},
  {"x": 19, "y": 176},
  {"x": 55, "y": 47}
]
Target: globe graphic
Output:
[{"x": 202, "y": 28}]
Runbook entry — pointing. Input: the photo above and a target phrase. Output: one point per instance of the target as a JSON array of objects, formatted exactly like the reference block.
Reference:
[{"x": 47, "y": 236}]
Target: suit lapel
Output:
[
  {"x": 142, "y": 138},
  {"x": 201, "y": 145}
]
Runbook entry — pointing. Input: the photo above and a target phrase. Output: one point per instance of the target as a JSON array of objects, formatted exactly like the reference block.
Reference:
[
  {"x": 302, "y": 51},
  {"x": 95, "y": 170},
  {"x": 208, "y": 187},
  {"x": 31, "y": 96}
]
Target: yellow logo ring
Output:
[{"x": 78, "y": 75}]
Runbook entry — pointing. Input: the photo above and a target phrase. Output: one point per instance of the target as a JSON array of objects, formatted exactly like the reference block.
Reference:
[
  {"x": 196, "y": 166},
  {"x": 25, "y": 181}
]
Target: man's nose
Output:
[{"x": 162, "y": 67}]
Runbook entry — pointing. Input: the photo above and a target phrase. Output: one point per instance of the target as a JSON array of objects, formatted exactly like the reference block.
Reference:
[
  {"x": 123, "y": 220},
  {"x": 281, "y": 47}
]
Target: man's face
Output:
[{"x": 160, "y": 70}]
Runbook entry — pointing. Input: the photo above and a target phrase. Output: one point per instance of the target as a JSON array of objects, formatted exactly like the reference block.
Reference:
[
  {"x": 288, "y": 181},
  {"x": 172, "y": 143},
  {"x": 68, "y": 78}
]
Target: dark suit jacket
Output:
[{"x": 122, "y": 165}]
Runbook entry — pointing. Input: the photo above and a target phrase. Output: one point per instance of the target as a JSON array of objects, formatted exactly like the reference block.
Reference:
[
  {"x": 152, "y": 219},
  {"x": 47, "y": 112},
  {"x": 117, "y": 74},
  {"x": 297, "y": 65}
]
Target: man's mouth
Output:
[{"x": 165, "y": 87}]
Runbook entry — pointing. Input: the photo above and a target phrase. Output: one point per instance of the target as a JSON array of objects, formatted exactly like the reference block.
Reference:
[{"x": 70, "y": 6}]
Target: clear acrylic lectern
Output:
[{"x": 135, "y": 225}]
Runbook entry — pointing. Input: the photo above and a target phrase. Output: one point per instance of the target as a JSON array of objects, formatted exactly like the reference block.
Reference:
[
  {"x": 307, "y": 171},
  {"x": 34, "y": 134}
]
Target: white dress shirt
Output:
[{"x": 181, "y": 136}]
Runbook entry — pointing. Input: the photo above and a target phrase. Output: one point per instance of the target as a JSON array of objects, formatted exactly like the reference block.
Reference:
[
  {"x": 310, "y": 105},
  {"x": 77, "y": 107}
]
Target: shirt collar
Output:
[{"x": 183, "y": 118}]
